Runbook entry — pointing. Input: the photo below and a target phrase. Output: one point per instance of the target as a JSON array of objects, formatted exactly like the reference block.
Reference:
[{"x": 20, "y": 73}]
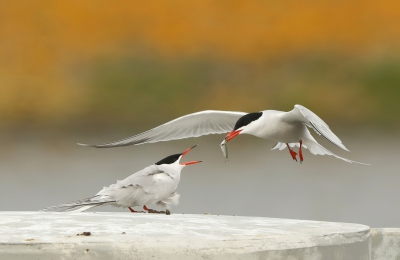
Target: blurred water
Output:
[{"x": 41, "y": 171}]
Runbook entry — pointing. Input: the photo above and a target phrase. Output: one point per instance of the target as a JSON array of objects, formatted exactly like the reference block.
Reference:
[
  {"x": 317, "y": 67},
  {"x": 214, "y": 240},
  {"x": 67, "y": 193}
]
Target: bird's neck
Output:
[{"x": 173, "y": 170}]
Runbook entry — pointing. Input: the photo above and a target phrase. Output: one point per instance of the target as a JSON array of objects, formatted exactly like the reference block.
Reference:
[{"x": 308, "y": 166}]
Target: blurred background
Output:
[{"x": 96, "y": 71}]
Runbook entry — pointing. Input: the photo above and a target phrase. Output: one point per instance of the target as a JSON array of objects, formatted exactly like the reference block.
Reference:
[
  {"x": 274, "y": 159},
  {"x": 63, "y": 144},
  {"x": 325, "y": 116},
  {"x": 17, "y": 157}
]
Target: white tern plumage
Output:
[
  {"x": 156, "y": 183},
  {"x": 288, "y": 129}
]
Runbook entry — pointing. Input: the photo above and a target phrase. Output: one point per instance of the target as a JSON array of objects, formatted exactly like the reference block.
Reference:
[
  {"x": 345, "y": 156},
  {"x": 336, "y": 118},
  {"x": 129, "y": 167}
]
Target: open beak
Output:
[
  {"x": 232, "y": 134},
  {"x": 191, "y": 162}
]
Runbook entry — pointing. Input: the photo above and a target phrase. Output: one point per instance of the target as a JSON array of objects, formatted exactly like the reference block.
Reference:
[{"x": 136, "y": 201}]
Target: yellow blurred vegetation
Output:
[{"x": 93, "y": 62}]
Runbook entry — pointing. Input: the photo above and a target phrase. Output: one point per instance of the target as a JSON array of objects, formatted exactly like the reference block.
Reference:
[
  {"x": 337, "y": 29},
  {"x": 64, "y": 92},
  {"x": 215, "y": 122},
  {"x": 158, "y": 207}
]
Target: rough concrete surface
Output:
[
  {"x": 385, "y": 243},
  {"x": 43, "y": 235}
]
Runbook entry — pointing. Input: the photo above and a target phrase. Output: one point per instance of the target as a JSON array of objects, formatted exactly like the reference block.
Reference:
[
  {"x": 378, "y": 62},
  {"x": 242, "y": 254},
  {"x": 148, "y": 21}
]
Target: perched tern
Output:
[
  {"x": 156, "y": 183},
  {"x": 288, "y": 129}
]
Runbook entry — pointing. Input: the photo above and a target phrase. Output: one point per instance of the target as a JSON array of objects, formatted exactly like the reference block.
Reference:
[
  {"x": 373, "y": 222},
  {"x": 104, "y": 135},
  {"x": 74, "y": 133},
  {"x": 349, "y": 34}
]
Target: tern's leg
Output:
[
  {"x": 152, "y": 210},
  {"x": 134, "y": 211},
  {"x": 292, "y": 153},
  {"x": 301, "y": 152}
]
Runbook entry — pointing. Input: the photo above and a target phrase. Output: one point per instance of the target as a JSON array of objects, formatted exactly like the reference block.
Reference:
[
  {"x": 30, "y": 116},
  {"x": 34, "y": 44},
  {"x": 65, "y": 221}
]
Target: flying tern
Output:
[
  {"x": 156, "y": 183},
  {"x": 288, "y": 129}
]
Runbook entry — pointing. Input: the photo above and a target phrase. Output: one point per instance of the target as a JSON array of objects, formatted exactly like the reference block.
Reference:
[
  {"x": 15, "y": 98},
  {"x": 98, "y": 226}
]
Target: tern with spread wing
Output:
[
  {"x": 156, "y": 183},
  {"x": 288, "y": 129}
]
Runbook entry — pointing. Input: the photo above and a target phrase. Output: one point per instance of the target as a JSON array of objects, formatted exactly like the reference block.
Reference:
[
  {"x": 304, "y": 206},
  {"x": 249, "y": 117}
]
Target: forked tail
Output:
[{"x": 79, "y": 206}]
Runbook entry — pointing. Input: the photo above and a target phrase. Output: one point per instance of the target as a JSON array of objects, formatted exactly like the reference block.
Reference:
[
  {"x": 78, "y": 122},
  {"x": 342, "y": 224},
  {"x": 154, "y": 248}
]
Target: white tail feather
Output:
[{"x": 78, "y": 206}]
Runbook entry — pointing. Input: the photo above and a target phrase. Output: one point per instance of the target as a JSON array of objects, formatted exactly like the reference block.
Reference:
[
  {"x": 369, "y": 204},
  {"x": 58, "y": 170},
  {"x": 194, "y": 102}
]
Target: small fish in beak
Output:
[{"x": 224, "y": 148}]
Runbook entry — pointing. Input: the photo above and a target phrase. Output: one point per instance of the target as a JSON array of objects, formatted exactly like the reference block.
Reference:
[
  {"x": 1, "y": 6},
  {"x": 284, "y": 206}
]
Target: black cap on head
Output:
[
  {"x": 169, "y": 159},
  {"x": 247, "y": 119}
]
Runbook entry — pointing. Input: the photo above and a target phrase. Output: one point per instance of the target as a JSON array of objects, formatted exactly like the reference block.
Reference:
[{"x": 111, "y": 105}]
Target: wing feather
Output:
[
  {"x": 319, "y": 126},
  {"x": 192, "y": 125}
]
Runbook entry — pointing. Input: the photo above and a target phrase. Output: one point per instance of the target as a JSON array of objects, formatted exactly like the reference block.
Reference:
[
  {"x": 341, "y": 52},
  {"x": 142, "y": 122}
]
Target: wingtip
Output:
[
  {"x": 360, "y": 163},
  {"x": 80, "y": 144},
  {"x": 367, "y": 164},
  {"x": 345, "y": 148}
]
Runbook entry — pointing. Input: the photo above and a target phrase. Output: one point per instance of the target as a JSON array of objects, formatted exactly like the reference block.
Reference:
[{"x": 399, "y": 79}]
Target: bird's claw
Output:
[
  {"x": 136, "y": 211},
  {"x": 294, "y": 155}
]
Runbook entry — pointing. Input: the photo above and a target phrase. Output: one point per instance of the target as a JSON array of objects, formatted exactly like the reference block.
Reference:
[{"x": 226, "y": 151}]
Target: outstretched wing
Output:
[
  {"x": 192, "y": 125},
  {"x": 320, "y": 127}
]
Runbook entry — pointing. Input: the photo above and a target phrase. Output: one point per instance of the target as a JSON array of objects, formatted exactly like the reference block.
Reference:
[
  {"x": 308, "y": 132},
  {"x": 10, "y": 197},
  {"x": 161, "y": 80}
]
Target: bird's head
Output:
[
  {"x": 175, "y": 159},
  {"x": 242, "y": 125}
]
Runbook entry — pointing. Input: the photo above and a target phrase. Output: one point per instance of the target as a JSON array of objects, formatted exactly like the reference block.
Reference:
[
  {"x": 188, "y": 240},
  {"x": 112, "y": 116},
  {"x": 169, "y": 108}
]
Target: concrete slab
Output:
[
  {"x": 385, "y": 243},
  {"x": 44, "y": 235}
]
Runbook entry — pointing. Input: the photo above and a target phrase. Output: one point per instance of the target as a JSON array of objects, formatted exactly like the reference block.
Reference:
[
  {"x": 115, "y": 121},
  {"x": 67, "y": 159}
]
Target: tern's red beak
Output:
[
  {"x": 232, "y": 134},
  {"x": 191, "y": 162}
]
